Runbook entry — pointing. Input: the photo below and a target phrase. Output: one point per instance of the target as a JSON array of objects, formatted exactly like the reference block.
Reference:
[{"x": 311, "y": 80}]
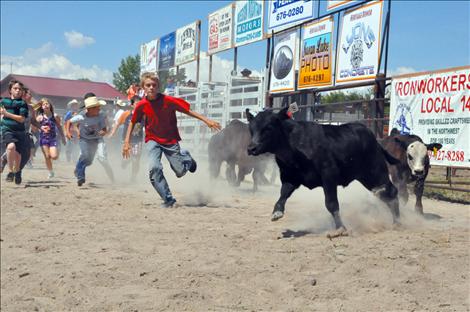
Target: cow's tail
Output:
[{"x": 389, "y": 158}]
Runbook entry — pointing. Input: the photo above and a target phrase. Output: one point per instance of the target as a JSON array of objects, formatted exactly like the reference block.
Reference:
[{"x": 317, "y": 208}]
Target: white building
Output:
[{"x": 219, "y": 101}]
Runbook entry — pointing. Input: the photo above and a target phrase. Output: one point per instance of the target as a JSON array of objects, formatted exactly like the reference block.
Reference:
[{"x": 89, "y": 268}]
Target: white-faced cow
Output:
[
  {"x": 230, "y": 145},
  {"x": 414, "y": 163},
  {"x": 315, "y": 155}
]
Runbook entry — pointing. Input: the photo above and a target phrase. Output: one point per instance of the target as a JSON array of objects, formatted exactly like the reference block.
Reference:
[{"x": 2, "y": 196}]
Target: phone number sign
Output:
[{"x": 287, "y": 13}]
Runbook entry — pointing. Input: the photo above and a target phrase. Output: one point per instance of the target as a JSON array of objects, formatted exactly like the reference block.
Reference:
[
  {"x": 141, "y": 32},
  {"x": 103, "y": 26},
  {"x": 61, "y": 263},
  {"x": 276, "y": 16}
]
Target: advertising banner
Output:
[
  {"x": 166, "y": 53},
  {"x": 148, "y": 57},
  {"x": 220, "y": 30},
  {"x": 315, "y": 57},
  {"x": 284, "y": 14},
  {"x": 336, "y": 4},
  {"x": 359, "y": 43},
  {"x": 248, "y": 21},
  {"x": 436, "y": 107},
  {"x": 283, "y": 69},
  {"x": 186, "y": 44}
]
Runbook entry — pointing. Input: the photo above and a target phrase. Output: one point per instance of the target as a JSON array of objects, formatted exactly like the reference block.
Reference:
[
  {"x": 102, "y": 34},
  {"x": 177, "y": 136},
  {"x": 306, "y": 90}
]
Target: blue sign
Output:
[
  {"x": 167, "y": 51},
  {"x": 287, "y": 13},
  {"x": 248, "y": 21}
]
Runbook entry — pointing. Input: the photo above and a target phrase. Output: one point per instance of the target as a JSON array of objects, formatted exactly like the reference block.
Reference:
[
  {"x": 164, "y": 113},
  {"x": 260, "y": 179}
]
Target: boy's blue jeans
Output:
[
  {"x": 88, "y": 149},
  {"x": 180, "y": 160}
]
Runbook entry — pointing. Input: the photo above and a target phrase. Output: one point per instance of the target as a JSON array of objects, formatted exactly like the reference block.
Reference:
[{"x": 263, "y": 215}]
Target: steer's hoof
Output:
[
  {"x": 277, "y": 215},
  {"x": 337, "y": 233}
]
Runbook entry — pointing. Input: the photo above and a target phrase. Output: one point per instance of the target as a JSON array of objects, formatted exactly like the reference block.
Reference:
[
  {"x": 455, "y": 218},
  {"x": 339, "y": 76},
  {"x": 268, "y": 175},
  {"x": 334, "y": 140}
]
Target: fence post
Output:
[{"x": 379, "y": 94}]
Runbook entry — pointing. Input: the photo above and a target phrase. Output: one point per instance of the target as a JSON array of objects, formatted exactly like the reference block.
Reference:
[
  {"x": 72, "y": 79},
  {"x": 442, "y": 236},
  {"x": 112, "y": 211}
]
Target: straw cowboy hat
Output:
[
  {"x": 93, "y": 102},
  {"x": 121, "y": 103},
  {"x": 74, "y": 101}
]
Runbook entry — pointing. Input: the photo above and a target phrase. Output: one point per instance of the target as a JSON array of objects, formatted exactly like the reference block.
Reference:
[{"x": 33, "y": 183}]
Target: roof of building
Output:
[{"x": 64, "y": 87}]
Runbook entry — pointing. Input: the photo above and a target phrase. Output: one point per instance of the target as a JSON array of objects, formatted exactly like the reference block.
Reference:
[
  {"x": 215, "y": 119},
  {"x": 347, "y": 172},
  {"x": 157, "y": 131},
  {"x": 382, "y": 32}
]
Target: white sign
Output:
[
  {"x": 359, "y": 43},
  {"x": 335, "y": 4},
  {"x": 186, "y": 44},
  {"x": 248, "y": 21},
  {"x": 284, "y": 14},
  {"x": 283, "y": 69},
  {"x": 436, "y": 107},
  {"x": 149, "y": 57},
  {"x": 220, "y": 30}
]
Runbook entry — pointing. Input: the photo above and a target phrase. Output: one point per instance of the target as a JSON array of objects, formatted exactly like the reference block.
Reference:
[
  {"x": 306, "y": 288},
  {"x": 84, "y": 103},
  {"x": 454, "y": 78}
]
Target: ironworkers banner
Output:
[
  {"x": 359, "y": 43},
  {"x": 283, "y": 67},
  {"x": 315, "y": 57},
  {"x": 284, "y": 14},
  {"x": 436, "y": 107},
  {"x": 166, "y": 53},
  {"x": 186, "y": 44},
  {"x": 220, "y": 30},
  {"x": 148, "y": 57},
  {"x": 248, "y": 21}
]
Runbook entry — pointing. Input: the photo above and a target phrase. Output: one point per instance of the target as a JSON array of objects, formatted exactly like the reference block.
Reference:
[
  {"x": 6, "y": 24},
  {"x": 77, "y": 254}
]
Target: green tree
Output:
[
  {"x": 128, "y": 73},
  {"x": 83, "y": 79},
  {"x": 340, "y": 96}
]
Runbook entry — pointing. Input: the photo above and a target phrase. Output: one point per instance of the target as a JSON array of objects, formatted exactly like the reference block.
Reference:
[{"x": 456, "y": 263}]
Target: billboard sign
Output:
[
  {"x": 315, "y": 57},
  {"x": 436, "y": 107},
  {"x": 359, "y": 43}
]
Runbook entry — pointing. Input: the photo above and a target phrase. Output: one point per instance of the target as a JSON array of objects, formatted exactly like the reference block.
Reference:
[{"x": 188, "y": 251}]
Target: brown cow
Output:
[
  {"x": 414, "y": 163},
  {"x": 230, "y": 145}
]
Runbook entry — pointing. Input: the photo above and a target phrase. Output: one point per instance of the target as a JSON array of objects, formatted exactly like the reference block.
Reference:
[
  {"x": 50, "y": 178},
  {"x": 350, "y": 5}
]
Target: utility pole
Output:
[{"x": 11, "y": 67}]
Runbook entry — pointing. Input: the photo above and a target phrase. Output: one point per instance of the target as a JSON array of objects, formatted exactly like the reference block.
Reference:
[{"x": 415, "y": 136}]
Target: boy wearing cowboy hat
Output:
[{"x": 92, "y": 128}]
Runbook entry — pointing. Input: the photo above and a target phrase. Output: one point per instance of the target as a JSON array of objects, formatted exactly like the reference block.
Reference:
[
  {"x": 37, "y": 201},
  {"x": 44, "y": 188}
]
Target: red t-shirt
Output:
[{"x": 160, "y": 125}]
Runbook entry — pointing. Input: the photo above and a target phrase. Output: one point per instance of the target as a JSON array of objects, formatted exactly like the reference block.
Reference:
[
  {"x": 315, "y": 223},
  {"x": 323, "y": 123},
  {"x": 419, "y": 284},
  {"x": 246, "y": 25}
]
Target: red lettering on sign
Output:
[
  {"x": 462, "y": 79},
  {"x": 453, "y": 82},
  {"x": 438, "y": 84}
]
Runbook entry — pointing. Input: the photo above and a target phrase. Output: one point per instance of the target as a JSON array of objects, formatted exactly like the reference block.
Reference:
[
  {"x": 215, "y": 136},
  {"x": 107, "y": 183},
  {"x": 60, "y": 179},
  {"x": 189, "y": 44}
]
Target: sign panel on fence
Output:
[
  {"x": 283, "y": 70},
  {"x": 285, "y": 14},
  {"x": 359, "y": 43},
  {"x": 148, "y": 57},
  {"x": 166, "y": 54},
  {"x": 335, "y": 4},
  {"x": 436, "y": 107},
  {"x": 248, "y": 21},
  {"x": 315, "y": 56},
  {"x": 220, "y": 30},
  {"x": 186, "y": 44}
]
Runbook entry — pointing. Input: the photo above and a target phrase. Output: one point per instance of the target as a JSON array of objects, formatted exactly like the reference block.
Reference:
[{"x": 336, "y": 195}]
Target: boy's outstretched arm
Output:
[
  {"x": 210, "y": 123},
  {"x": 126, "y": 147}
]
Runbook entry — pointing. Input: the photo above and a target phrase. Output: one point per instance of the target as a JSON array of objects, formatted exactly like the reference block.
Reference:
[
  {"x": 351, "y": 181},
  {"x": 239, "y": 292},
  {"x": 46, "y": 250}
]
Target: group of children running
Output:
[{"x": 154, "y": 114}]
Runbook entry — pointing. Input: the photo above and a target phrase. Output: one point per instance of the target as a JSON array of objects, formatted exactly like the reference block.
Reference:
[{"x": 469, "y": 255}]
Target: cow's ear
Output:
[
  {"x": 402, "y": 143},
  {"x": 249, "y": 116},
  {"x": 431, "y": 146},
  {"x": 283, "y": 113},
  {"x": 394, "y": 132}
]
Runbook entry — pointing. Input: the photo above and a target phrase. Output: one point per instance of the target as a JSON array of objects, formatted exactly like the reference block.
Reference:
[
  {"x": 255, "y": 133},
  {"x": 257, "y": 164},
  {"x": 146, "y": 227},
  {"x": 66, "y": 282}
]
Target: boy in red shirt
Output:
[{"x": 161, "y": 134}]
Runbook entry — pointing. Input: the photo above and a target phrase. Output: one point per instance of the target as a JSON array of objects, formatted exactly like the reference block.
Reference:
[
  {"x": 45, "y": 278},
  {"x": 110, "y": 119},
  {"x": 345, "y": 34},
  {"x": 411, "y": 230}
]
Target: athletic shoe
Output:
[
  {"x": 80, "y": 182},
  {"x": 18, "y": 177},
  {"x": 10, "y": 177},
  {"x": 192, "y": 166},
  {"x": 50, "y": 175}
]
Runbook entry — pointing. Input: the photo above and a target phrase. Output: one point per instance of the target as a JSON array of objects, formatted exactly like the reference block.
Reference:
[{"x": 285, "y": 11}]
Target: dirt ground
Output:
[{"x": 106, "y": 247}]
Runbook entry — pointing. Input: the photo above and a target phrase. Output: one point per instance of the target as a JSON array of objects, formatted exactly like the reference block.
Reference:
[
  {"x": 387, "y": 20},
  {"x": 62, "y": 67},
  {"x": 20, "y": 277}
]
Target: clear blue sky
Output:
[{"x": 425, "y": 35}]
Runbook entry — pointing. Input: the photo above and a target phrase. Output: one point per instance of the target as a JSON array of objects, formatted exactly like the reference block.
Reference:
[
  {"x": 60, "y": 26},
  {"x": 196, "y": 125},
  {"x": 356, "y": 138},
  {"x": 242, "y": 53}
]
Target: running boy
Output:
[
  {"x": 92, "y": 127},
  {"x": 13, "y": 113},
  {"x": 161, "y": 134}
]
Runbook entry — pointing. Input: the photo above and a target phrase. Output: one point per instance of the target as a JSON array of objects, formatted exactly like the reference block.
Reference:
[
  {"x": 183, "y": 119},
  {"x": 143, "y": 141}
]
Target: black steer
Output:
[
  {"x": 414, "y": 163},
  {"x": 230, "y": 145},
  {"x": 315, "y": 155}
]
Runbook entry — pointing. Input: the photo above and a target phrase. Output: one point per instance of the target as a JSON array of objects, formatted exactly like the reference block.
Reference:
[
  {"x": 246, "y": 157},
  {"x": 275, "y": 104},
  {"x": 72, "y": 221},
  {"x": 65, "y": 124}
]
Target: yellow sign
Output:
[{"x": 315, "y": 57}]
